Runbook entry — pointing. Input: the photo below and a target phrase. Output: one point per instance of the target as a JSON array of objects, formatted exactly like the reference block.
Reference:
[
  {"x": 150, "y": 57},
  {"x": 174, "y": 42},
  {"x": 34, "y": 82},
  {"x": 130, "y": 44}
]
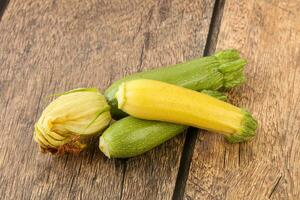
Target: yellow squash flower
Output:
[{"x": 71, "y": 118}]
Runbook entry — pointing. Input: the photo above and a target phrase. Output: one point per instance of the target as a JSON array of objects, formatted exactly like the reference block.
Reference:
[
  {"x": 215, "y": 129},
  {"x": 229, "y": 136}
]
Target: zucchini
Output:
[
  {"x": 156, "y": 100},
  {"x": 222, "y": 70},
  {"x": 130, "y": 136}
]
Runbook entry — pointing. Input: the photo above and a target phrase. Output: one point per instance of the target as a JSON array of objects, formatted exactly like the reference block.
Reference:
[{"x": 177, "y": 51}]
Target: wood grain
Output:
[
  {"x": 181, "y": 36},
  {"x": 268, "y": 34},
  {"x": 52, "y": 46}
]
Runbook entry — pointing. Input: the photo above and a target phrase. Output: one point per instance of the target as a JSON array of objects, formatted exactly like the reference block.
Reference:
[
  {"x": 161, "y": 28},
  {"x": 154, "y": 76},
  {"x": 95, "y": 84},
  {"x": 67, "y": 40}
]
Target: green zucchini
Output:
[
  {"x": 222, "y": 70},
  {"x": 130, "y": 136}
]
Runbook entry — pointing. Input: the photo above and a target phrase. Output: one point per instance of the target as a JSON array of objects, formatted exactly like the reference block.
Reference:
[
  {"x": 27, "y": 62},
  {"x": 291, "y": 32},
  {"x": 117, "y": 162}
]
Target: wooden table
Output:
[{"x": 51, "y": 46}]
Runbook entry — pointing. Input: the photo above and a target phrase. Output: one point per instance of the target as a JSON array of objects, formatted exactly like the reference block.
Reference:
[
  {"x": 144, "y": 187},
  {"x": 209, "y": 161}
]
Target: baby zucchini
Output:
[
  {"x": 156, "y": 100},
  {"x": 222, "y": 70},
  {"x": 130, "y": 136}
]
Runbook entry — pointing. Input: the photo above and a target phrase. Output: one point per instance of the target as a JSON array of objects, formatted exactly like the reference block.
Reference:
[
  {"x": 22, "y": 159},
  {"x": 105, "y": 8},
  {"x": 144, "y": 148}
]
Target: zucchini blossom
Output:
[{"x": 69, "y": 120}]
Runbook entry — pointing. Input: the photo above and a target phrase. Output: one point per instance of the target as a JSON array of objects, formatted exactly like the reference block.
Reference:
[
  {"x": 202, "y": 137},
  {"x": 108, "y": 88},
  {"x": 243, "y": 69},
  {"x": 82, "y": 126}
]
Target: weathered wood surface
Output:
[
  {"x": 267, "y": 33},
  {"x": 52, "y": 46}
]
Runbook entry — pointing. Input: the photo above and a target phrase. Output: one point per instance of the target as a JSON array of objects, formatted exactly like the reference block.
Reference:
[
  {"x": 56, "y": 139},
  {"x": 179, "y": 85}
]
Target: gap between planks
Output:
[
  {"x": 191, "y": 135},
  {"x": 3, "y": 6}
]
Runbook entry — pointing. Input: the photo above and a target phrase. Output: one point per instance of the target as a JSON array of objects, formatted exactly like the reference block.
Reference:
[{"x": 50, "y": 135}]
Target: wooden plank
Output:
[
  {"x": 51, "y": 46},
  {"x": 176, "y": 31},
  {"x": 48, "y": 47},
  {"x": 268, "y": 34}
]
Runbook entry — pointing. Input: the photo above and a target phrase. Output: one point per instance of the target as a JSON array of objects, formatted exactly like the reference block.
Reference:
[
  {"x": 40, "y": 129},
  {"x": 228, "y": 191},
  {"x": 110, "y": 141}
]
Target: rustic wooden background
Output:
[{"x": 52, "y": 46}]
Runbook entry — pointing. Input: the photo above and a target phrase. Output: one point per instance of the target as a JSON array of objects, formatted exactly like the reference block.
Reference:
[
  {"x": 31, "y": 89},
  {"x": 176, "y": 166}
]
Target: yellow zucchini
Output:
[{"x": 156, "y": 100}]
